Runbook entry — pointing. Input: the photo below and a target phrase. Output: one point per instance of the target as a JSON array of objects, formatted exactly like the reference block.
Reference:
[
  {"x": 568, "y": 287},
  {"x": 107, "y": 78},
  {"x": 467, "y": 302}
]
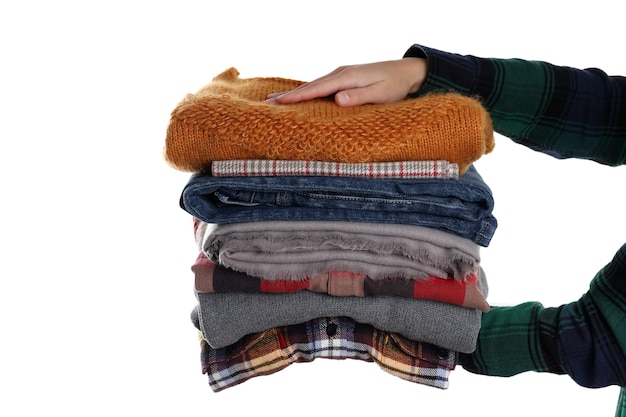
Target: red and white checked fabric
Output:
[{"x": 383, "y": 170}]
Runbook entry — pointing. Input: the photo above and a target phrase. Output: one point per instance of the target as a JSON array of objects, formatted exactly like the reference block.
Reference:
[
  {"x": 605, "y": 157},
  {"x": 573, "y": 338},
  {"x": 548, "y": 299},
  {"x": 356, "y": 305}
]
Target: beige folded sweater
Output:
[{"x": 228, "y": 119}]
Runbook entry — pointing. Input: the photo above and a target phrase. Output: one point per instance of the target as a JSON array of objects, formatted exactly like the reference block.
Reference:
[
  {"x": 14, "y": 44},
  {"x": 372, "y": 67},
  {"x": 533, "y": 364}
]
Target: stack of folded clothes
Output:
[{"x": 333, "y": 232}]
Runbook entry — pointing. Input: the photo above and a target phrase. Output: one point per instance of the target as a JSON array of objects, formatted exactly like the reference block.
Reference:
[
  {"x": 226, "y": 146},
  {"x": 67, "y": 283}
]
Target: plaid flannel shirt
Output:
[
  {"x": 567, "y": 113},
  {"x": 211, "y": 277},
  {"x": 270, "y": 351},
  {"x": 373, "y": 170}
]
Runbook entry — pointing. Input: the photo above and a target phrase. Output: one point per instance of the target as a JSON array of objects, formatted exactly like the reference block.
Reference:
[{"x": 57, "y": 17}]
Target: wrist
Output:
[{"x": 416, "y": 72}]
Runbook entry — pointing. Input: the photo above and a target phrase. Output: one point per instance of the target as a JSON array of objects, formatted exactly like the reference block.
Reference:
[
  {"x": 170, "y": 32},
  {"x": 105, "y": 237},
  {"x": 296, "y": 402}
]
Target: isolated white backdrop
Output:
[{"x": 96, "y": 286}]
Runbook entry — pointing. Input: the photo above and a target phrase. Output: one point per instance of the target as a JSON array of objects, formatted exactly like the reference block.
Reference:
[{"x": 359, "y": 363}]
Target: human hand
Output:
[{"x": 354, "y": 85}]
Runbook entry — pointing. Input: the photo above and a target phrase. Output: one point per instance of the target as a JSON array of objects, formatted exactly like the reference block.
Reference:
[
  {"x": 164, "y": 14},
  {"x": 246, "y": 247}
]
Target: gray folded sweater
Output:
[{"x": 224, "y": 318}]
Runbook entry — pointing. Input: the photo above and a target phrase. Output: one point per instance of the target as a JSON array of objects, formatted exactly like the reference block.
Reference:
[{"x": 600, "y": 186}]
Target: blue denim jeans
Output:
[{"x": 463, "y": 207}]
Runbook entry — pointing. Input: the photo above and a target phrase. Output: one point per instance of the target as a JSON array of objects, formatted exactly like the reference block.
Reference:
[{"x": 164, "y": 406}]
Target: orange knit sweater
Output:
[{"x": 228, "y": 119}]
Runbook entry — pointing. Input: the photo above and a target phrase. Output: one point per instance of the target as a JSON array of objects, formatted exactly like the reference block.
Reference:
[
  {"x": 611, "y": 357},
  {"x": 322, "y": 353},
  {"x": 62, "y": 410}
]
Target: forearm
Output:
[
  {"x": 585, "y": 339},
  {"x": 560, "y": 110},
  {"x": 509, "y": 343}
]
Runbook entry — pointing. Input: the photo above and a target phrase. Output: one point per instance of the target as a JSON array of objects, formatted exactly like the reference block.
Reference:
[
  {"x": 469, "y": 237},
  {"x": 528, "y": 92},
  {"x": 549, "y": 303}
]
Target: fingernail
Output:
[
  {"x": 275, "y": 97},
  {"x": 342, "y": 98}
]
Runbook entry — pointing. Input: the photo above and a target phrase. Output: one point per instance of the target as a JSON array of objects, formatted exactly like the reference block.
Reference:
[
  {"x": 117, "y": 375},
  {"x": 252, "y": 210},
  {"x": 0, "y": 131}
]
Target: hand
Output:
[{"x": 354, "y": 85}]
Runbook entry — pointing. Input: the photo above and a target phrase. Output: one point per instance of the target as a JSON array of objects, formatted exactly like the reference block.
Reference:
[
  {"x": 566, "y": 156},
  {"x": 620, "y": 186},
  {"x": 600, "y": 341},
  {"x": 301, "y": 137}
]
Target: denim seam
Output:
[{"x": 353, "y": 198}]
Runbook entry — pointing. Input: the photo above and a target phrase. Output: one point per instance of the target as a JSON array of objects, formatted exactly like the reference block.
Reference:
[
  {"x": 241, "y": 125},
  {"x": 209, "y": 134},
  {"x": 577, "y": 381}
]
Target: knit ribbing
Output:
[{"x": 228, "y": 119}]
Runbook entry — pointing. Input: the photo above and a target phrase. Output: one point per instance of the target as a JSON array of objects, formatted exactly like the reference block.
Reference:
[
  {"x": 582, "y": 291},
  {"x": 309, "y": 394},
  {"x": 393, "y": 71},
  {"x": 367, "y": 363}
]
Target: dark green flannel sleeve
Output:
[
  {"x": 585, "y": 339},
  {"x": 562, "y": 111},
  {"x": 621, "y": 404}
]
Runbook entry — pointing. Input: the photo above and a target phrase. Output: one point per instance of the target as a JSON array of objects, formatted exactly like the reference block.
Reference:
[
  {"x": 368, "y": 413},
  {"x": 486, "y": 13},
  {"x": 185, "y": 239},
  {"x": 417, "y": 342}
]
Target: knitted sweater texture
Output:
[{"x": 228, "y": 119}]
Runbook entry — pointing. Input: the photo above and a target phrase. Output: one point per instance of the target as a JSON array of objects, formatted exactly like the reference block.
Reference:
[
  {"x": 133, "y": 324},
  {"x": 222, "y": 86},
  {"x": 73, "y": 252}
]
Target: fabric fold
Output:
[
  {"x": 297, "y": 249},
  {"x": 229, "y": 119},
  {"x": 270, "y": 351},
  {"x": 211, "y": 277},
  {"x": 372, "y": 170},
  {"x": 225, "y": 318},
  {"x": 463, "y": 207}
]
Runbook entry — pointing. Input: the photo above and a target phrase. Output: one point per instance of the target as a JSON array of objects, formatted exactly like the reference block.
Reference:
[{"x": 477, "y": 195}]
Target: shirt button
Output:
[
  {"x": 442, "y": 353},
  {"x": 331, "y": 329}
]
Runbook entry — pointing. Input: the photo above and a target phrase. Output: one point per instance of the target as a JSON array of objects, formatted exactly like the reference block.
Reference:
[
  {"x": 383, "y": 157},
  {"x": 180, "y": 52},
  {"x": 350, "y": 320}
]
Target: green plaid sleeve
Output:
[
  {"x": 509, "y": 342},
  {"x": 562, "y": 111},
  {"x": 585, "y": 339},
  {"x": 621, "y": 404}
]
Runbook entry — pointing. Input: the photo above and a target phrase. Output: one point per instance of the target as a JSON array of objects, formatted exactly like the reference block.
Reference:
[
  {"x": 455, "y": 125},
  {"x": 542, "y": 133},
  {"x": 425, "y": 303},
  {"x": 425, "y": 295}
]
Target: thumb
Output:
[
  {"x": 372, "y": 94},
  {"x": 344, "y": 99}
]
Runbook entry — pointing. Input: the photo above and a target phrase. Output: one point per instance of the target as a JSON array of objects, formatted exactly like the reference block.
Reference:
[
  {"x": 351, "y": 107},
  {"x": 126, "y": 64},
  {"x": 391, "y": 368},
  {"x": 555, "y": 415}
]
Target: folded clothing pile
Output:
[{"x": 333, "y": 232}]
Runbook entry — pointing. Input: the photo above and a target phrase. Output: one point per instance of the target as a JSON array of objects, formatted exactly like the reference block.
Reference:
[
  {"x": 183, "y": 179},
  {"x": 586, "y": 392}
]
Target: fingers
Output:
[
  {"x": 324, "y": 86},
  {"x": 377, "y": 93},
  {"x": 353, "y": 85},
  {"x": 274, "y": 95}
]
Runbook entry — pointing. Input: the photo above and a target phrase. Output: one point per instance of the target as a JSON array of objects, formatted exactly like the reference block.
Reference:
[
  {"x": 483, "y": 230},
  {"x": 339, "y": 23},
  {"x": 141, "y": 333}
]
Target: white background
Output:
[{"x": 96, "y": 286}]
